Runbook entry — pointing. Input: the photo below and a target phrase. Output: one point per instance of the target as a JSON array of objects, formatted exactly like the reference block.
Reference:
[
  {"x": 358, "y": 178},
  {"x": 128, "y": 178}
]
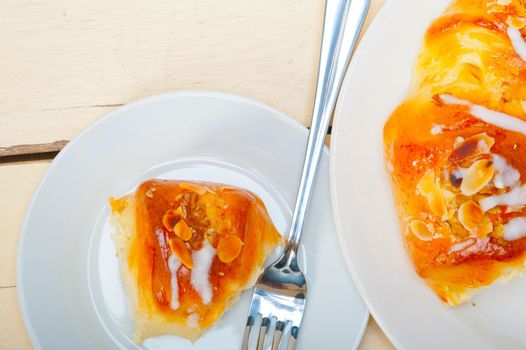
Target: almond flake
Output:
[
  {"x": 478, "y": 175},
  {"x": 515, "y": 22},
  {"x": 421, "y": 230},
  {"x": 470, "y": 215},
  {"x": 182, "y": 230},
  {"x": 437, "y": 202},
  {"x": 427, "y": 183},
  {"x": 229, "y": 248}
]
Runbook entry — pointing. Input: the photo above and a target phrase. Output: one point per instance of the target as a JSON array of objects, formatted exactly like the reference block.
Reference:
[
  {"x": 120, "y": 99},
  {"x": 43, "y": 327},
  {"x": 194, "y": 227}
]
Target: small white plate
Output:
[
  {"x": 69, "y": 287},
  {"x": 407, "y": 310}
]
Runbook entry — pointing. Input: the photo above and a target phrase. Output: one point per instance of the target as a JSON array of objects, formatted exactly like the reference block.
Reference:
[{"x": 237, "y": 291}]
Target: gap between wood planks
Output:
[
  {"x": 41, "y": 151},
  {"x": 30, "y": 153}
]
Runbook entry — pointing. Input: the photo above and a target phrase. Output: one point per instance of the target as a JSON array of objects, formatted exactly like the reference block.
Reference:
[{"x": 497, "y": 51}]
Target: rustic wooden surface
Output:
[{"x": 67, "y": 63}]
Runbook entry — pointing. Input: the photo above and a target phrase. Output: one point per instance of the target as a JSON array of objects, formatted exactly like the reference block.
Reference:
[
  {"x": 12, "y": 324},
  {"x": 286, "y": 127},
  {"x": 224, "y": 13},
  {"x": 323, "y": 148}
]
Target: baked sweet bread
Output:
[
  {"x": 456, "y": 150},
  {"x": 187, "y": 250}
]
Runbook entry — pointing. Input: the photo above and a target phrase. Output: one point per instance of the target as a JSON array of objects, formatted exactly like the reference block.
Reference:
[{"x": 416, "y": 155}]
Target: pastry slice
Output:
[
  {"x": 456, "y": 150},
  {"x": 187, "y": 250}
]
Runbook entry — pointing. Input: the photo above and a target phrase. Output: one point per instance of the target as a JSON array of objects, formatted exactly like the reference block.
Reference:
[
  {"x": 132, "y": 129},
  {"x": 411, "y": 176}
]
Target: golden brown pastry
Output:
[
  {"x": 187, "y": 250},
  {"x": 456, "y": 149}
]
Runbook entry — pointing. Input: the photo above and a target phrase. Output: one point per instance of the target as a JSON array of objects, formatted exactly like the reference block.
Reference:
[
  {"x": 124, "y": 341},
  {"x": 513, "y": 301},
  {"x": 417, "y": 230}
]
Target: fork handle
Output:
[{"x": 342, "y": 24}]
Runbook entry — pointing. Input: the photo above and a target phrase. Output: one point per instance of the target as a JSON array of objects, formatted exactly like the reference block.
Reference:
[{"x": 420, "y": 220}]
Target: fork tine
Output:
[
  {"x": 263, "y": 331},
  {"x": 293, "y": 337},
  {"x": 246, "y": 335},
  {"x": 280, "y": 326}
]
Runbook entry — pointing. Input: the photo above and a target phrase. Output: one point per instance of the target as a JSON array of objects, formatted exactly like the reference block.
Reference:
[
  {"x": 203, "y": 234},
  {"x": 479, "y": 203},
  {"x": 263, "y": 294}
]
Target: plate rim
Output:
[
  {"x": 134, "y": 103},
  {"x": 332, "y": 179}
]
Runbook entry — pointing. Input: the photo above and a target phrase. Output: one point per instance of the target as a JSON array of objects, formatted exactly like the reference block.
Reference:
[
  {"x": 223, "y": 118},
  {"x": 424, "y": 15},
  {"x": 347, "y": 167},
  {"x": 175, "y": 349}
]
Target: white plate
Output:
[
  {"x": 68, "y": 282},
  {"x": 406, "y": 309}
]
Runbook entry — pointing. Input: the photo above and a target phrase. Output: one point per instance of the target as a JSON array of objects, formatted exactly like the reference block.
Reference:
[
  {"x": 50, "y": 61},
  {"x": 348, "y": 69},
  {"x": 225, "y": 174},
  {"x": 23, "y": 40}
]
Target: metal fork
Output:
[{"x": 281, "y": 290}]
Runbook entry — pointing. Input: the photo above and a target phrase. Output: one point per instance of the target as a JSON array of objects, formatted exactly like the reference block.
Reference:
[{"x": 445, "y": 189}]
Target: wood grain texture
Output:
[
  {"x": 374, "y": 338},
  {"x": 67, "y": 63},
  {"x": 17, "y": 184},
  {"x": 13, "y": 335}
]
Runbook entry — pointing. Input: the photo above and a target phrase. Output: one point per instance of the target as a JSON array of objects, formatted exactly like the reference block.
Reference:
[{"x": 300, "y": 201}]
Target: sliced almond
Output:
[
  {"x": 150, "y": 192},
  {"x": 485, "y": 228},
  {"x": 485, "y": 142},
  {"x": 437, "y": 197},
  {"x": 465, "y": 150},
  {"x": 199, "y": 189},
  {"x": 118, "y": 204},
  {"x": 450, "y": 214},
  {"x": 498, "y": 232},
  {"x": 182, "y": 230},
  {"x": 421, "y": 230},
  {"x": 171, "y": 217},
  {"x": 179, "y": 248},
  {"x": 478, "y": 175},
  {"x": 471, "y": 147},
  {"x": 437, "y": 202},
  {"x": 472, "y": 218},
  {"x": 427, "y": 183},
  {"x": 448, "y": 195},
  {"x": 515, "y": 22},
  {"x": 470, "y": 215},
  {"x": 229, "y": 248}
]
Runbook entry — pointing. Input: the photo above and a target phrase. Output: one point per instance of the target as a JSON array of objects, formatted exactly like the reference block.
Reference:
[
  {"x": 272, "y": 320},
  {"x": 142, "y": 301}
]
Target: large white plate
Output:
[
  {"x": 69, "y": 287},
  {"x": 406, "y": 309}
]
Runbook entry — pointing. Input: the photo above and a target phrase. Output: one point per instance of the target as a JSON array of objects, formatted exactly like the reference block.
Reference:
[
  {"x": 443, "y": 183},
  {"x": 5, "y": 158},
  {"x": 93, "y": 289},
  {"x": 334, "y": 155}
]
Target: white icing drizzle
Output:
[
  {"x": 202, "y": 260},
  {"x": 515, "y": 197},
  {"x": 499, "y": 119},
  {"x": 462, "y": 245},
  {"x": 452, "y": 100},
  {"x": 193, "y": 320},
  {"x": 502, "y": 120},
  {"x": 162, "y": 243},
  {"x": 480, "y": 245},
  {"x": 506, "y": 175},
  {"x": 173, "y": 265},
  {"x": 517, "y": 41},
  {"x": 475, "y": 245},
  {"x": 437, "y": 129},
  {"x": 515, "y": 229}
]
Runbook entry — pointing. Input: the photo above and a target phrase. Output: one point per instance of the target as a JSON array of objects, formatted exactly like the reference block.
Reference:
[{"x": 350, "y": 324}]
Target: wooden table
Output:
[{"x": 64, "y": 64}]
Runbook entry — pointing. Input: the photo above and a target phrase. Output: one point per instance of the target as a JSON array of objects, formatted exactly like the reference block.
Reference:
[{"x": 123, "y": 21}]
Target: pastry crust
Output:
[
  {"x": 171, "y": 238},
  {"x": 455, "y": 150}
]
